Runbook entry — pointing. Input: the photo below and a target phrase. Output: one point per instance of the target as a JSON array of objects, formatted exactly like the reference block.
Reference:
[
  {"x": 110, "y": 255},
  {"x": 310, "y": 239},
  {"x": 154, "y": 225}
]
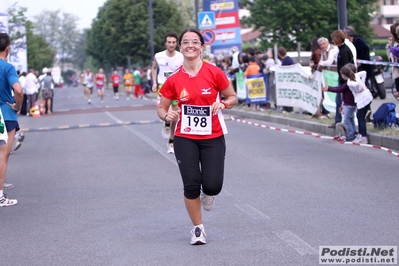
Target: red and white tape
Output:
[{"x": 313, "y": 134}]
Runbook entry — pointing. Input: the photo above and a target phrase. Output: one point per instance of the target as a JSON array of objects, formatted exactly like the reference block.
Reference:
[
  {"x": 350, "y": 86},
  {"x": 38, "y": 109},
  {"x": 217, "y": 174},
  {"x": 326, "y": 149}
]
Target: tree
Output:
[
  {"x": 187, "y": 9},
  {"x": 40, "y": 54},
  {"x": 79, "y": 56},
  {"x": 288, "y": 22},
  {"x": 121, "y": 29},
  {"x": 60, "y": 31}
]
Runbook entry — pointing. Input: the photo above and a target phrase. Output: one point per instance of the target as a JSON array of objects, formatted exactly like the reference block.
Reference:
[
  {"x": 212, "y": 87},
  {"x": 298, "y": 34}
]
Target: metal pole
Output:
[
  {"x": 196, "y": 12},
  {"x": 342, "y": 14},
  {"x": 151, "y": 29}
]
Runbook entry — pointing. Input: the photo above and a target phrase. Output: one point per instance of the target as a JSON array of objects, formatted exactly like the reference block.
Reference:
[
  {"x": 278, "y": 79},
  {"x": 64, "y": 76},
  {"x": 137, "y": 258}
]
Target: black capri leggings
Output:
[{"x": 201, "y": 162}]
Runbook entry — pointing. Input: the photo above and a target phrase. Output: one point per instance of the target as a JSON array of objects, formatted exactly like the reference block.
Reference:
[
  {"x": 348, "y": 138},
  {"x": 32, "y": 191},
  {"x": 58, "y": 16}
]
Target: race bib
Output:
[
  {"x": 116, "y": 81},
  {"x": 100, "y": 82},
  {"x": 196, "y": 120},
  {"x": 167, "y": 74}
]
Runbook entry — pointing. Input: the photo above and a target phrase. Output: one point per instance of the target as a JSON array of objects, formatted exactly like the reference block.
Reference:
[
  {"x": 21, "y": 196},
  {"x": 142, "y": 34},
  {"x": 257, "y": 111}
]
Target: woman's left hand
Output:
[{"x": 216, "y": 106}]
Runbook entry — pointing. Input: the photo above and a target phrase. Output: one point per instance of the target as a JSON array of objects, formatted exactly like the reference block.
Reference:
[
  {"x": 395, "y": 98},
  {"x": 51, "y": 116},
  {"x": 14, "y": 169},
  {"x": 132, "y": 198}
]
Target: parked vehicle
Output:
[{"x": 376, "y": 81}]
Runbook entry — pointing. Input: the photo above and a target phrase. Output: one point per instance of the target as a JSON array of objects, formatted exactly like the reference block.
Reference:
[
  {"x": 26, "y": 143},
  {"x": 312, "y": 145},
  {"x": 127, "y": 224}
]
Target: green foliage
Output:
[
  {"x": 121, "y": 29},
  {"x": 187, "y": 10},
  {"x": 288, "y": 22},
  {"x": 40, "y": 54},
  {"x": 382, "y": 53},
  {"x": 60, "y": 31}
]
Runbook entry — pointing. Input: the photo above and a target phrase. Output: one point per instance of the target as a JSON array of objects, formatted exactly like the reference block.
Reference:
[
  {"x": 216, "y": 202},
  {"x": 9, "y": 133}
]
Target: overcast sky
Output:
[{"x": 85, "y": 10}]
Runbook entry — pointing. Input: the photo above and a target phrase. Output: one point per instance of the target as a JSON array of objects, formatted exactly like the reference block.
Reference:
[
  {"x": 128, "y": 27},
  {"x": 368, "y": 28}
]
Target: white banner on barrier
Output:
[
  {"x": 18, "y": 55},
  {"x": 3, "y": 23},
  {"x": 295, "y": 88}
]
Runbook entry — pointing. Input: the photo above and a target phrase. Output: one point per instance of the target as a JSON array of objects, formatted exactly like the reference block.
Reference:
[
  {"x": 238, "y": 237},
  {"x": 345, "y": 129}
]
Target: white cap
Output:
[{"x": 45, "y": 70}]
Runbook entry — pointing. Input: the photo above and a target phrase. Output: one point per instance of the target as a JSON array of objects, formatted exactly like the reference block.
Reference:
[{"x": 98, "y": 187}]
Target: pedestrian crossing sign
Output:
[{"x": 206, "y": 20}]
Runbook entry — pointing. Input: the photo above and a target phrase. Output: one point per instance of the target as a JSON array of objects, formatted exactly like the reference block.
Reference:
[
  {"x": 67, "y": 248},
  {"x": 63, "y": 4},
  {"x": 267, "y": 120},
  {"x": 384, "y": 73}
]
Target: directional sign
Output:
[
  {"x": 206, "y": 20},
  {"x": 209, "y": 36}
]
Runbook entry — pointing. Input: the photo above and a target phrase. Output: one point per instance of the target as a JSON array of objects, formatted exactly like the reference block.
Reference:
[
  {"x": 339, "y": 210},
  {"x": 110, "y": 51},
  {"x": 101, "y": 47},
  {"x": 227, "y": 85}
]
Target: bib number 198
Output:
[{"x": 196, "y": 120}]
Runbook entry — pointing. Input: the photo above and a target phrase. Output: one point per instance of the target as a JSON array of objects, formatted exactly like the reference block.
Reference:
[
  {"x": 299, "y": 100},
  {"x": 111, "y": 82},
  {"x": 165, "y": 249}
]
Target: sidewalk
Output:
[{"x": 313, "y": 125}]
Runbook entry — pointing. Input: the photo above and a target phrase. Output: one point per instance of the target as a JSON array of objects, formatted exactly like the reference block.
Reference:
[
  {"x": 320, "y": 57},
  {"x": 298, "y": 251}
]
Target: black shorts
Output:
[
  {"x": 116, "y": 88},
  {"x": 10, "y": 125},
  {"x": 201, "y": 165}
]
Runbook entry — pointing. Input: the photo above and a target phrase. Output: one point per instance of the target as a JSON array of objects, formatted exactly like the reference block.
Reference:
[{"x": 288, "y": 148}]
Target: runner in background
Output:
[
  {"x": 101, "y": 80},
  {"x": 88, "y": 84},
  {"x": 164, "y": 64},
  {"x": 138, "y": 91},
  {"x": 115, "y": 84},
  {"x": 128, "y": 81}
]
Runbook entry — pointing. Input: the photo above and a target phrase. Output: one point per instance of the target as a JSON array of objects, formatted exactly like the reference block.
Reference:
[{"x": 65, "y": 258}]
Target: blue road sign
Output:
[{"x": 206, "y": 20}]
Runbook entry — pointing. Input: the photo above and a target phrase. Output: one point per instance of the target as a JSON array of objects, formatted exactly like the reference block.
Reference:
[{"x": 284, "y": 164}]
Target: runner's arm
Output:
[
  {"x": 18, "y": 95},
  {"x": 154, "y": 68}
]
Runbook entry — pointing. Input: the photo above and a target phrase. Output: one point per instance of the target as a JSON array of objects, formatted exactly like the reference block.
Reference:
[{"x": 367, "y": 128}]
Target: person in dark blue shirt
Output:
[{"x": 285, "y": 61}]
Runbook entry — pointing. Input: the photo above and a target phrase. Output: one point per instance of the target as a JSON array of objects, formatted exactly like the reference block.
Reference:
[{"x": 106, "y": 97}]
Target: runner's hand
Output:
[
  {"x": 14, "y": 107},
  {"x": 172, "y": 116},
  {"x": 216, "y": 106}
]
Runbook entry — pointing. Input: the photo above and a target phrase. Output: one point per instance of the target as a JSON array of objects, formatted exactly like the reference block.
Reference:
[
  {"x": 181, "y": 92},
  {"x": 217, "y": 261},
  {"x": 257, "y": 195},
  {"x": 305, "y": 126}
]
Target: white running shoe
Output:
[
  {"x": 198, "y": 236},
  {"x": 171, "y": 149},
  {"x": 165, "y": 132},
  {"x": 7, "y": 185},
  {"x": 207, "y": 201},
  {"x": 5, "y": 202},
  {"x": 358, "y": 138},
  {"x": 89, "y": 101},
  {"x": 128, "y": 98}
]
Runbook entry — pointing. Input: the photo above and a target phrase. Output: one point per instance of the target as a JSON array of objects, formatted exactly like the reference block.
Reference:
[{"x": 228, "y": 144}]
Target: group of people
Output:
[
  {"x": 131, "y": 80},
  {"x": 36, "y": 87},
  {"x": 352, "y": 94}
]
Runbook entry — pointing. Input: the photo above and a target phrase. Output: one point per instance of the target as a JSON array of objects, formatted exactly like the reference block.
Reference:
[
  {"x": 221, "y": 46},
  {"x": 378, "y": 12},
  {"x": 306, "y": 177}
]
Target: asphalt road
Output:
[{"x": 107, "y": 194}]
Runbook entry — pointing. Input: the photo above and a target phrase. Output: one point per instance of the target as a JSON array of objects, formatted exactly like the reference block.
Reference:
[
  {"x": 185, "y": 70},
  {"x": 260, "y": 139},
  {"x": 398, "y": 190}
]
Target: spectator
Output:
[
  {"x": 393, "y": 42},
  {"x": 316, "y": 54},
  {"x": 362, "y": 50},
  {"x": 327, "y": 55},
  {"x": 31, "y": 90},
  {"x": 47, "y": 91},
  {"x": 362, "y": 96},
  {"x": 285, "y": 61},
  {"x": 326, "y": 59},
  {"x": 22, "y": 82},
  {"x": 348, "y": 100},
  {"x": 344, "y": 57},
  {"x": 253, "y": 67}
]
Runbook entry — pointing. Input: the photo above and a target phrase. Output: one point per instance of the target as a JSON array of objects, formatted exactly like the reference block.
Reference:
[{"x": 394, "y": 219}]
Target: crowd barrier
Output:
[{"x": 292, "y": 86}]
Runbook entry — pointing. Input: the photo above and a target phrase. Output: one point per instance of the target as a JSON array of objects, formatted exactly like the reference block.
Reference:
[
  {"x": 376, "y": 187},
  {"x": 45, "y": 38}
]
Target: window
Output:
[
  {"x": 389, "y": 20},
  {"x": 388, "y": 2}
]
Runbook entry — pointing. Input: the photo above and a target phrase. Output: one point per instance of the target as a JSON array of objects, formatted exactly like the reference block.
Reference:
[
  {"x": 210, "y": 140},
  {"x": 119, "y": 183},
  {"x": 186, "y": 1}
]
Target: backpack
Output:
[{"x": 385, "y": 116}]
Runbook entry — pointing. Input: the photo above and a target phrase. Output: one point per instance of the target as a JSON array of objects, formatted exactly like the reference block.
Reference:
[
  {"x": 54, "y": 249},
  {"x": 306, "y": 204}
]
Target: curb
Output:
[{"x": 391, "y": 142}]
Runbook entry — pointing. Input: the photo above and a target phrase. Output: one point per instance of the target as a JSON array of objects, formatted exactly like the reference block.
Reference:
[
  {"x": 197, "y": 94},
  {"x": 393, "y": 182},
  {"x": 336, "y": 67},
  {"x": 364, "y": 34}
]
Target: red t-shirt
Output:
[
  {"x": 100, "y": 78},
  {"x": 199, "y": 91},
  {"x": 115, "y": 80}
]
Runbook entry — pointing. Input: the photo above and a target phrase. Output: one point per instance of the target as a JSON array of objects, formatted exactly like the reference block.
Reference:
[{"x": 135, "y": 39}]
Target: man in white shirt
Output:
[
  {"x": 327, "y": 54},
  {"x": 31, "y": 90}
]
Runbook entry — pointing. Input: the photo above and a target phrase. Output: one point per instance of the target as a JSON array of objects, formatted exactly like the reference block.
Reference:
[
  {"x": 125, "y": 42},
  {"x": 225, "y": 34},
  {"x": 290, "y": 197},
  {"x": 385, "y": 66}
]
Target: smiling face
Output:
[{"x": 191, "y": 45}]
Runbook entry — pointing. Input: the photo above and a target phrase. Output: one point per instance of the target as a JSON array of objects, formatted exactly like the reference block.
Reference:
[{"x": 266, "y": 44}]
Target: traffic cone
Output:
[
  {"x": 42, "y": 109},
  {"x": 37, "y": 111}
]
